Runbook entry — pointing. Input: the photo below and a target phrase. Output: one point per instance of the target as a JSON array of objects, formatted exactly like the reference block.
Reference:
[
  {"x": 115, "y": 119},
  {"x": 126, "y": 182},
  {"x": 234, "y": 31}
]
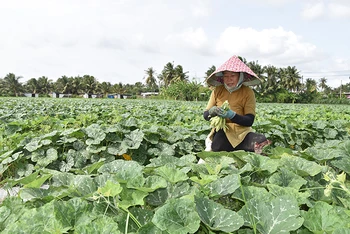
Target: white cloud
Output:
[
  {"x": 337, "y": 10},
  {"x": 190, "y": 38},
  {"x": 314, "y": 10},
  {"x": 274, "y": 44}
]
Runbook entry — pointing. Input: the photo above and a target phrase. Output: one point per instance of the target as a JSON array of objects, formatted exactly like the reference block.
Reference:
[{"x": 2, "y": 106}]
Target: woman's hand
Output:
[
  {"x": 213, "y": 111},
  {"x": 227, "y": 114}
]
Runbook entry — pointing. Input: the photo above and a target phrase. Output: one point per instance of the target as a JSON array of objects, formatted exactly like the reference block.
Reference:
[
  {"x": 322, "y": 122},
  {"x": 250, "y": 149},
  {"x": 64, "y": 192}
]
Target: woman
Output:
[{"x": 231, "y": 81}]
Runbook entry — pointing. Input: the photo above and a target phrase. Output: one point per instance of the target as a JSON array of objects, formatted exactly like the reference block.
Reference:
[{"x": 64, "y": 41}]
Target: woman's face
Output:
[{"x": 231, "y": 78}]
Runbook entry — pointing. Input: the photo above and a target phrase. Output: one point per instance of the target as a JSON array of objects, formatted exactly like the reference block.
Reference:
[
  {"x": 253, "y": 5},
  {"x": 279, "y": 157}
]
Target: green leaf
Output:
[
  {"x": 216, "y": 216},
  {"x": 281, "y": 215},
  {"x": 287, "y": 178},
  {"x": 224, "y": 186},
  {"x": 262, "y": 162},
  {"x": 101, "y": 225},
  {"x": 110, "y": 189},
  {"x": 323, "y": 217},
  {"x": 300, "y": 166},
  {"x": 171, "y": 173},
  {"x": 38, "y": 182},
  {"x": 124, "y": 170},
  {"x": 131, "y": 197},
  {"x": 95, "y": 133},
  {"x": 177, "y": 217}
]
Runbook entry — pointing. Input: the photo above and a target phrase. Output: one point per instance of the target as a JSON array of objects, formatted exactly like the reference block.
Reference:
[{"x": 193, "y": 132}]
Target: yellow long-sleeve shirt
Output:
[{"x": 242, "y": 101}]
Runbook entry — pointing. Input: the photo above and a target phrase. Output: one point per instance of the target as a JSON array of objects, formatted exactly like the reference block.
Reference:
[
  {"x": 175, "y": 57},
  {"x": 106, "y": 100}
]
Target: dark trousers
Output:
[{"x": 221, "y": 143}]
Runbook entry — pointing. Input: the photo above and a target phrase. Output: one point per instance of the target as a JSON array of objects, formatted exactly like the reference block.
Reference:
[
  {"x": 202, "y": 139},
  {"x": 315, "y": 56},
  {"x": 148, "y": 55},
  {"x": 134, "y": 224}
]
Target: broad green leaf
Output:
[
  {"x": 250, "y": 192},
  {"x": 300, "y": 166},
  {"x": 95, "y": 133},
  {"x": 149, "y": 184},
  {"x": 280, "y": 215},
  {"x": 131, "y": 197},
  {"x": 157, "y": 197},
  {"x": 301, "y": 197},
  {"x": 262, "y": 162},
  {"x": 224, "y": 186},
  {"x": 286, "y": 178},
  {"x": 38, "y": 181},
  {"x": 150, "y": 228},
  {"x": 72, "y": 211},
  {"x": 124, "y": 170},
  {"x": 177, "y": 217},
  {"x": 101, "y": 225},
  {"x": 171, "y": 173},
  {"x": 323, "y": 217},
  {"x": 33, "y": 145},
  {"x": 216, "y": 216},
  {"x": 110, "y": 189}
]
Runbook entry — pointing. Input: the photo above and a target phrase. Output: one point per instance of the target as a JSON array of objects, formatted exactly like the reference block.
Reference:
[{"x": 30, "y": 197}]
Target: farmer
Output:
[{"x": 230, "y": 82}]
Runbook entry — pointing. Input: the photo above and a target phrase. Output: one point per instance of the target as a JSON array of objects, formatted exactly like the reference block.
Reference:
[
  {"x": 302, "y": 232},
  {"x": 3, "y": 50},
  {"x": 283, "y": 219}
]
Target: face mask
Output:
[{"x": 239, "y": 83}]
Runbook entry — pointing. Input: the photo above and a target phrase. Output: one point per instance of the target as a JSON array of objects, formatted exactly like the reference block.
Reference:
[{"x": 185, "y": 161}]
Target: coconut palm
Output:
[
  {"x": 179, "y": 74},
  {"x": 32, "y": 86},
  {"x": 89, "y": 84},
  {"x": 209, "y": 71},
  {"x": 45, "y": 84},
  {"x": 290, "y": 78},
  {"x": 323, "y": 84},
  {"x": 150, "y": 78},
  {"x": 105, "y": 88},
  {"x": 167, "y": 74},
  {"x": 11, "y": 84},
  {"x": 310, "y": 85}
]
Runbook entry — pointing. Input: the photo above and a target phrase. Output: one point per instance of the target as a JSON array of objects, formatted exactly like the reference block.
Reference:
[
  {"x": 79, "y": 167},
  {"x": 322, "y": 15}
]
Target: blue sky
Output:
[{"x": 117, "y": 40}]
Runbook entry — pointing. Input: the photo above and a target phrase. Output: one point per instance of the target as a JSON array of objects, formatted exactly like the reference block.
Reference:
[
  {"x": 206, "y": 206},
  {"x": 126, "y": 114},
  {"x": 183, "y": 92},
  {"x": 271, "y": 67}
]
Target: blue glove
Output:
[
  {"x": 214, "y": 111},
  {"x": 229, "y": 114}
]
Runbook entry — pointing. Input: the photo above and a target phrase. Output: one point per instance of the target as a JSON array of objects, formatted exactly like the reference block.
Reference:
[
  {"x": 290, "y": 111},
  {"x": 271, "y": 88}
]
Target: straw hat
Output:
[{"x": 234, "y": 64}]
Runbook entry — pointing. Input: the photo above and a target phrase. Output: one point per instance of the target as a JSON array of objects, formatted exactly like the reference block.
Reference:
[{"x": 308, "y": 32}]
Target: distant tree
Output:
[
  {"x": 32, "y": 86},
  {"x": 105, "y": 88},
  {"x": 323, "y": 84},
  {"x": 179, "y": 74},
  {"x": 209, "y": 71},
  {"x": 150, "y": 79},
  {"x": 45, "y": 84},
  {"x": 63, "y": 85},
  {"x": 90, "y": 84},
  {"x": 11, "y": 84},
  {"x": 167, "y": 74}
]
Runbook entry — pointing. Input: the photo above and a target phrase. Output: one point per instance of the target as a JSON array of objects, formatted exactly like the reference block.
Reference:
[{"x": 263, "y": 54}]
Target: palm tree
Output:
[
  {"x": 151, "y": 81},
  {"x": 105, "y": 88},
  {"x": 62, "y": 85},
  {"x": 209, "y": 71},
  {"x": 311, "y": 85},
  {"x": 290, "y": 78},
  {"x": 32, "y": 86},
  {"x": 45, "y": 84},
  {"x": 167, "y": 74},
  {"x": 89, "y": 83},
  {"x": 179, "y": 74},
  {"x": 12, "y": 85},
  {"x": 323, "y": 84}
]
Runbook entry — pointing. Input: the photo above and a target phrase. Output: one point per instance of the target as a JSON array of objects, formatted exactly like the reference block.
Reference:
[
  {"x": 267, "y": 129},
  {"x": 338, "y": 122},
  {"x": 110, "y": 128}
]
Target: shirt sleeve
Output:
[
  {"x": 212, "y": 100},
  {"x": 250, "y": 105}
]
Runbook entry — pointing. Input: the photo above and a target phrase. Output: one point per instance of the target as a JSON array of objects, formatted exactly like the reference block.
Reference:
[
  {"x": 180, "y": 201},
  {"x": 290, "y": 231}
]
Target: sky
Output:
[{"x": 117, "y": 40}]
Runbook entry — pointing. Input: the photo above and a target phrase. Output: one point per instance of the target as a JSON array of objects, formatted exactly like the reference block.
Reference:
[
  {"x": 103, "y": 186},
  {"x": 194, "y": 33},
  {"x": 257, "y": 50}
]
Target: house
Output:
[
  {"x": 147, "y": 94},
  {"x": 61, "y": 95},
  {"x": 31, "y": 95}
]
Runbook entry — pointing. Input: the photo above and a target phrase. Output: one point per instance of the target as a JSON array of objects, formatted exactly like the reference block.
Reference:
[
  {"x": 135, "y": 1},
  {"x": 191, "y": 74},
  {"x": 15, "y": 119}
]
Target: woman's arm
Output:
[{"x": 243, "y": 120}]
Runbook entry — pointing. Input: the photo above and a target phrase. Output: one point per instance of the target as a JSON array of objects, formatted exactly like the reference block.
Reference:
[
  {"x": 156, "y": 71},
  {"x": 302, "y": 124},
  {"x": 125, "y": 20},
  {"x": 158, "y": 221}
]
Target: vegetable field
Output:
[{"x": 131, "y": 166}]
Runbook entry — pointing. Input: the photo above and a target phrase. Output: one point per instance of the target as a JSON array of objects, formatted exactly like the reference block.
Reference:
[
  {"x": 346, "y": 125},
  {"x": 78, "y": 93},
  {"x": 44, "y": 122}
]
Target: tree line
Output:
[{"x": 279, "y": 85}]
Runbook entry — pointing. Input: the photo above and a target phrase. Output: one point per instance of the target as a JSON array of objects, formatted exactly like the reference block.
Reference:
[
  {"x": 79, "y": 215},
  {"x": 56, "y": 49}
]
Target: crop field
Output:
[{"x": 131, "y": 166}]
